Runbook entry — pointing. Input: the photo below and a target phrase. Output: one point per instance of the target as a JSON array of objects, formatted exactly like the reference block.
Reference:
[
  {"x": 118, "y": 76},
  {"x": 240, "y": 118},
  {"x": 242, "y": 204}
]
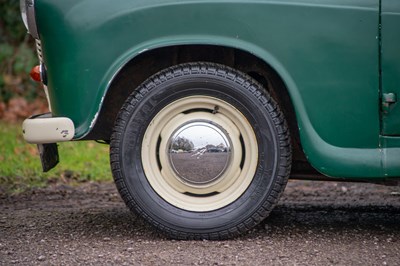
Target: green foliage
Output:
[
  {"x": 6, "y": 51},
  {"x": 20, "y": 166},
  {"x": 17, "y": 55},
  {"x": 24, "y": 61},
  {"x": 12, "y": 29}
]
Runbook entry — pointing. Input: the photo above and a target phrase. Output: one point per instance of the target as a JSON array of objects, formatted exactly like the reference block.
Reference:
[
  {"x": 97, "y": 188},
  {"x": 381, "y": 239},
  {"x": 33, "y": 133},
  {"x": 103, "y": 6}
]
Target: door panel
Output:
[{"x": 391, "y": 67}]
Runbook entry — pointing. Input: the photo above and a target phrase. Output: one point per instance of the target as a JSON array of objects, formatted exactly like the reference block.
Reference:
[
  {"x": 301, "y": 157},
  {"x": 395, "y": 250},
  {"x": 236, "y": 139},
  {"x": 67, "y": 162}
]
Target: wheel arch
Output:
[{"x": 264, "y": 68}]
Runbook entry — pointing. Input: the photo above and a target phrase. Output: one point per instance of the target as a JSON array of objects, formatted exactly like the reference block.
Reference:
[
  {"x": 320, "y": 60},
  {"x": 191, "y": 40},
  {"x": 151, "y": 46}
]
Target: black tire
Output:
[{"x": 192, "y": 212}]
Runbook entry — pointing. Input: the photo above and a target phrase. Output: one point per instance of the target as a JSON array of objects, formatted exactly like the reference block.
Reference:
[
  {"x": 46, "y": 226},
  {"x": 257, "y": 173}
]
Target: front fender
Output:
[{"x": 324, "y": 65}]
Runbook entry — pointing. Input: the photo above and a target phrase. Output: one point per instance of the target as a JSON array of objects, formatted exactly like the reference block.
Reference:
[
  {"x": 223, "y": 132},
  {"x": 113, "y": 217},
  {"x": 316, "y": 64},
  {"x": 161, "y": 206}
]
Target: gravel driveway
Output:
[{"x": 316, "y": 223}]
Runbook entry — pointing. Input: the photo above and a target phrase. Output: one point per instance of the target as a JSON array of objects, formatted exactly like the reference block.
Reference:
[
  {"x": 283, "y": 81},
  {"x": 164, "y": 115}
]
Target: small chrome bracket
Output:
[{"x": 388, "y": 99}]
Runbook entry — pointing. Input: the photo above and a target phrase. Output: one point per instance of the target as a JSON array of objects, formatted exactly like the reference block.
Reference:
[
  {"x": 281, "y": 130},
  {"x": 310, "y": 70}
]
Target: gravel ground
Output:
[{"x": 316, "y": 223}]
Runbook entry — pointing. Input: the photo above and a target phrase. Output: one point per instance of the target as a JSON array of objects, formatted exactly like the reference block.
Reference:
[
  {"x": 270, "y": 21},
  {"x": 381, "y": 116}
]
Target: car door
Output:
[{"x": 390, "y": 66}]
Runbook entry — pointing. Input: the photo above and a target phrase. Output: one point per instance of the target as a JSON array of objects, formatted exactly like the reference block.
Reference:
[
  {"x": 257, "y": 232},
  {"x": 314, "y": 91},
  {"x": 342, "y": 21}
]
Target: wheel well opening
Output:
[{"x": 149, "y": 63}]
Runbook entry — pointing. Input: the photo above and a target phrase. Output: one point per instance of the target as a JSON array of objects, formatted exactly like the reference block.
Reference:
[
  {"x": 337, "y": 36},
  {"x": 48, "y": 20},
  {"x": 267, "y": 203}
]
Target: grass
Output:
[{"x": 20, "y": 167}]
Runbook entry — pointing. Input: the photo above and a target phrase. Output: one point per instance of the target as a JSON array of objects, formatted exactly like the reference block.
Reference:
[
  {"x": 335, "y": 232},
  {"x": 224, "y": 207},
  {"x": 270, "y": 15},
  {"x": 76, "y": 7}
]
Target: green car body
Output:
[
  {"x": 335, "y": 58},
  {"x": 210, "y": 106}
]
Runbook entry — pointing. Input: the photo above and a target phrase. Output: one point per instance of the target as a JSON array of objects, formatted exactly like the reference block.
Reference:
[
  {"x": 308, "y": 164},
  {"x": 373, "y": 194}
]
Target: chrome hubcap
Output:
[{"x": 199, "y": 152}]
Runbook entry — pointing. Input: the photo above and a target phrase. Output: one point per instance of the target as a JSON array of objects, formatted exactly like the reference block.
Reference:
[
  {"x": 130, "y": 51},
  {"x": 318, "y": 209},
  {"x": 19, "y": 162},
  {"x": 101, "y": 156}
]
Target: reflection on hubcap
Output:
[{"x": 199, "y": 152}]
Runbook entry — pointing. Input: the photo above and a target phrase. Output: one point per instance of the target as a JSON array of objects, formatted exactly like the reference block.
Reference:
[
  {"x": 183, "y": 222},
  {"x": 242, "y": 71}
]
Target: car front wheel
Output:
[{"x": 200, "y": 151}]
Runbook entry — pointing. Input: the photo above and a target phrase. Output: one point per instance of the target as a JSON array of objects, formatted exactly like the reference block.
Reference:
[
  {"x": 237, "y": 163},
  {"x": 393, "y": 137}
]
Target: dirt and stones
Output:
[{"x": 315, "y": 223}]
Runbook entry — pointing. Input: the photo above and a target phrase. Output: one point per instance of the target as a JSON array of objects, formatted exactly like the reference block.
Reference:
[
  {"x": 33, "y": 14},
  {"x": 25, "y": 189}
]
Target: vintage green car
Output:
[{"x": 210, "y": 106}]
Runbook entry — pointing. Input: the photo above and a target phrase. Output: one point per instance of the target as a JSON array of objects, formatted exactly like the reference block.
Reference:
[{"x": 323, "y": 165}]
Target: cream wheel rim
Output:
[{"x": 199, "y": 153}]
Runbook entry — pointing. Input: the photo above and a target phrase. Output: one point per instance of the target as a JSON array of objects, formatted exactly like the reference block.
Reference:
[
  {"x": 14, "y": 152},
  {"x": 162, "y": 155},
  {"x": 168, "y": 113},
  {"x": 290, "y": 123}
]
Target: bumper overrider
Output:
[{"x": 45, "y": 131}]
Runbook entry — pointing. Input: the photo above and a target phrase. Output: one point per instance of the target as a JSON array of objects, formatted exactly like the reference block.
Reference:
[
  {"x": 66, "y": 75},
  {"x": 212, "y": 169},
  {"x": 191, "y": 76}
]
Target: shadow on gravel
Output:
[
  {"x": 105, "y": 223},
  {"x": 119, "y": 222},
  {"x": 335, "y": 218}
]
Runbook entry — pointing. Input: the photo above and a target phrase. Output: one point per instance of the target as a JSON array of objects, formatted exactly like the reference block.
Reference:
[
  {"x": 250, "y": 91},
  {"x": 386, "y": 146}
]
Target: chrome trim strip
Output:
[{"x": 31, "y": 17}]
